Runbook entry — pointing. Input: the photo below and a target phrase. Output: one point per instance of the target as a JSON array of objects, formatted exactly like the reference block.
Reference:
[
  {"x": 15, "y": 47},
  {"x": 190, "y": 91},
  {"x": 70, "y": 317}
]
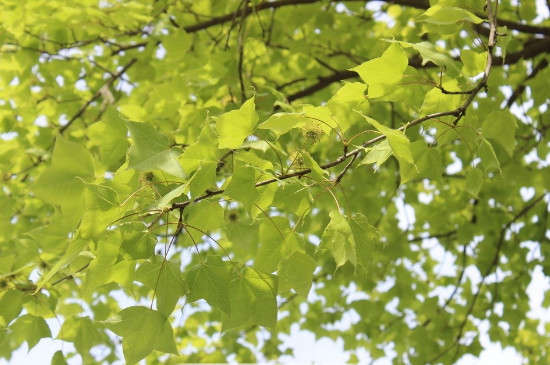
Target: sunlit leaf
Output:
[{"x": 234, "y": 126}]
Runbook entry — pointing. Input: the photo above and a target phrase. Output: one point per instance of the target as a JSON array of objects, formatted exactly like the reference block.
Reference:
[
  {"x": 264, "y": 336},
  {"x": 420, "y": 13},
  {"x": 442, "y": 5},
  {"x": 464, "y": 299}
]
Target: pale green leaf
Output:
[
  {"x": 234, "y": 126},
  {"x": 276, "y": 242},
  {"x": 82, "y": 333},
  {"x": 444, "y": 15},
  {"x": 377, "y": 154},
  {"x": 253, "y": 299},
  {"x": 474, "y": 181},
  {"x": 489, "y": 159},
  {"x": 151, "y": 151},
  {"x": 383, "y": 72},
  {"x": 74, "y": 248},
  {"x": 142, "y": 330},
  {"x": 474, "y": 63},
  {"x": 242, "y": 186},
  {"x": 281, "y": 123},
  {"x": 296, "y": 272},
  {"x": 397, "y": 140},
  {"x": 427, "y": 163},
  {"x": 338, "y": 240},
  {"x": 166, "y": 279},
  {"x": 62, "y": 183},
  {"x": 30, "y": 329},
  {"x": 501, "y": 126},
  {"x": 430, "y": 53},
  {"x": 210, "y": 281}
]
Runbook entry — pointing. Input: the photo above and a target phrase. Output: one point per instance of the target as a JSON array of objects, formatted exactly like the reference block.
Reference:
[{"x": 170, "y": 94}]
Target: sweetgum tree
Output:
[{"x": 186, "y": 180}]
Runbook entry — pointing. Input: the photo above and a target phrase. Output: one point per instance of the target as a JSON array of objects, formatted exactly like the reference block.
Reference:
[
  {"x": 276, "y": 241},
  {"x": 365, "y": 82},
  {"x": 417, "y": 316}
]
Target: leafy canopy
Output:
[{"x": 189, "y": 180}]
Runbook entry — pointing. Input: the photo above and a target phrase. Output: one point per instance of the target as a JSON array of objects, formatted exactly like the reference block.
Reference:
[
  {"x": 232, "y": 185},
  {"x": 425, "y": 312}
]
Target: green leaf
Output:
[
  {"x": 444, "y": 15},
  {"x": 74, "y": 249},
  {"x": 293, "y": 197},
  {"x": 253, "y": 300},
  {"x": 151, "y": 151},
  {"x": 281, "y": 123},
  {"x": 338, "y": 240},
  {"x": 58, "y": 358},
  {"x": 427, "y": 163},
  {"x": 167, "y": 199},
  {"x": 500, "y": 126},
  {"x": 365, "y": 237},
  {"x": 265, "y": 199},
  {"x": 11, "y": 304},
  {"x": 109, "y": 135},
  {"x": 204, "y": 150},
  {"x": 203, "y": 179},
  {"x": 296, "y": 272},
  {"x": 377, "y": 154},
  {"x": 30, "y": 329},
  {"x": 100, "y": 270},
  {"x": 102, "y": 209},
  {"x": 276, "y": 242},
  {"x": 317, "y": 173},
  {"x": 63, "y": 182},
  {"x": 488, "y": 157},
  {"x": 203, "y": 217},
  {"x": 430, "y": 53},
  {"x": 242, "y": 186},
  {"x": 320, "y": 117},
  {"x": 398, "y": 141},
  {"x": 382, "y": 73},
  {"x": 349, "y": 240},
  {"x": 142, "y": 330},
  {"x": 105, "y": 268},
  {"x": 474, "y": 181},
  {"x": 82, "y": 333},
  {"x": 166, "y": 280},
  {"x": 177, "y": 44},
  {"x": 137, "y": 241},
  {"x": 350, "y": 92},
  {"x": 435, "y": 100},
  {"x": 474, "y": 63},
  {"x": 234, "y": 126},
  {"x": 210, "y": 281}
]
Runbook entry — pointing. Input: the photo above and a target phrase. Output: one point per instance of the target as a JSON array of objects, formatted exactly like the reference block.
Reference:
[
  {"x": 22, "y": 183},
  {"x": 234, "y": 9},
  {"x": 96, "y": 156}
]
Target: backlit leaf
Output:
[
  {"x": 142, "y": 330},
  {"x": 234, "y": 126},
  {"x": 151, "y": 151},
  {"x": 210, "y": 281}
]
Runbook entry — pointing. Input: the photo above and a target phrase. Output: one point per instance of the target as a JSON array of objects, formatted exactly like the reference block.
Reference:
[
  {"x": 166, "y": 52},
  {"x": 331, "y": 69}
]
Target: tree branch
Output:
[
  {"x": 521, "y": 87},
  {"x": 531, "y": 50},
  {"x": 97, "y": 94}
]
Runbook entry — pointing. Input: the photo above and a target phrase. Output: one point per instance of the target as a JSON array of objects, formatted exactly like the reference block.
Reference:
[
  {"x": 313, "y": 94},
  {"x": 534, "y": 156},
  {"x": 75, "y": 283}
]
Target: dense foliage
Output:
[{"x": 196, "y": 177}]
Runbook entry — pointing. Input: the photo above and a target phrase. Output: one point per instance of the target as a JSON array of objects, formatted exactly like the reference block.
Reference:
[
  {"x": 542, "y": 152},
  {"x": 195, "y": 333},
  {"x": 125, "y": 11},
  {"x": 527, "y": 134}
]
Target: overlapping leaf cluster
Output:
[{"x": 198, "y": 177}]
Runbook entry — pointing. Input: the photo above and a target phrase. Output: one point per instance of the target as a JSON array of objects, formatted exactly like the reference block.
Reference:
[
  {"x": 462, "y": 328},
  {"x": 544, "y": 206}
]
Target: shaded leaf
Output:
[
  {"x": 151, "y": 151},
  {"x": 296, "y": 272},
  {"x": 210, "y": 281},
  {"x": 142, "y": 330},
  {"x": 253, "y": 299}
]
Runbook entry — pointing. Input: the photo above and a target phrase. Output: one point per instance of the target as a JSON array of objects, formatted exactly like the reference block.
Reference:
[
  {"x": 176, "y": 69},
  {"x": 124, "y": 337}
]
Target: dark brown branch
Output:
[
  {"x": 417, "y": 4},
  {"x": 521, "y": 87},
  {"x": 529, "y": 51},
  {"x": 441, "y": 235},
  {"x": 321, "y": 84},
  {"x": 245, "y": 12}
]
